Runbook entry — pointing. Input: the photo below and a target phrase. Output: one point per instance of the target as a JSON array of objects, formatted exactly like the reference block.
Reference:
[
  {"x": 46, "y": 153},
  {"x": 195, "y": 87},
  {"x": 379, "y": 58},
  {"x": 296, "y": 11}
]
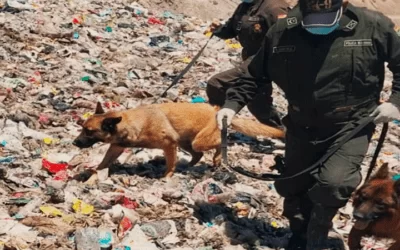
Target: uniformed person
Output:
[
  {"x": 249, "y": 23},
  {"x": 329, "y": 59}
]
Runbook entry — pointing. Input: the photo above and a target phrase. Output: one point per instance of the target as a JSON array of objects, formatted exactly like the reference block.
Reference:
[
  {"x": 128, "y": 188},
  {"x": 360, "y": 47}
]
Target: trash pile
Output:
[{"x": 58, "y": 58}]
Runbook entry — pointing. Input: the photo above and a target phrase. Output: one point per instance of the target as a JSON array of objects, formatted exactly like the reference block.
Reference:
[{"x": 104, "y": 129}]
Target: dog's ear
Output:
[
  {"x": 110, "y": 124},
  {"x": 99, "y": 109},
  {"x": 383, "y": 172}
]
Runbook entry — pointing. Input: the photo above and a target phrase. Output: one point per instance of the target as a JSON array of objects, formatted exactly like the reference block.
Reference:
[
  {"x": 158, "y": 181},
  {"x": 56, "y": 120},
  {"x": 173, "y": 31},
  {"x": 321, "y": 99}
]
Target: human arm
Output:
[
  {"x": 389, "y": 48},
  {"x": 274, "y": 10},
  {"x": 227, "y": 30},
  {"x": 253, "y": 76}
]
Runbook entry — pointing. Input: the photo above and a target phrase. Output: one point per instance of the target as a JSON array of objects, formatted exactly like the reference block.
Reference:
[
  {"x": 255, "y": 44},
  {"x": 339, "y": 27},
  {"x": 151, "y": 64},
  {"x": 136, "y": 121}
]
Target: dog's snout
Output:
[{"x": 76, "y": 143}]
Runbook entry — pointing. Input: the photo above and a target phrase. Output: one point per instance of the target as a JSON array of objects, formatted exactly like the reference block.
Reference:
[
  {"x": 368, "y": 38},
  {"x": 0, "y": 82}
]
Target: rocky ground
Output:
[{"x": 57, "y": 59}]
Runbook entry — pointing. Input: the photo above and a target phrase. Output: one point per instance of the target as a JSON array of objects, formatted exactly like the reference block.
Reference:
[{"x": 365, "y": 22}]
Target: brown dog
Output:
[
  {"x": 192, "y": 127},
  {"x": 377, "y": 210}
]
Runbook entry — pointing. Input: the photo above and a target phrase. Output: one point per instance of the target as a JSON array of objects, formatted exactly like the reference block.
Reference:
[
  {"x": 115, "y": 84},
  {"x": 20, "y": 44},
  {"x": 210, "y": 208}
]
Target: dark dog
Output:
[{"x": 377, "y": 210}]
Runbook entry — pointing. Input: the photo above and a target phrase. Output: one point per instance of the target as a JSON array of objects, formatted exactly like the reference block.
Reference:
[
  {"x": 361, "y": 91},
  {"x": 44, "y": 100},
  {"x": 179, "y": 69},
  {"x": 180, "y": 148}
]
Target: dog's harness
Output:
[{"x": 276, "y": 177}]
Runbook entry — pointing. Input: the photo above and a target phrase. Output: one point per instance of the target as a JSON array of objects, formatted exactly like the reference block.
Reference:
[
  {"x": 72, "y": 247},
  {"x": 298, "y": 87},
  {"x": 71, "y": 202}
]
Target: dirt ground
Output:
[{"x": 209, "y": 9}]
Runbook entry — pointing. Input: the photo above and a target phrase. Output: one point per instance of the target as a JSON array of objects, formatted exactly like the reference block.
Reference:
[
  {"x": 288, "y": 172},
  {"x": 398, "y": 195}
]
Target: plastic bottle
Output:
[
  {"x": 87, "y": 239},
  {"x": 105, "y": 239}
]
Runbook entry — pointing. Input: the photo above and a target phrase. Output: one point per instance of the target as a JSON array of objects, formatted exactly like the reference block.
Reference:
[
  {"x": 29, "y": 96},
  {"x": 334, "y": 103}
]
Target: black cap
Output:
[{"x": 321, "y": 13}]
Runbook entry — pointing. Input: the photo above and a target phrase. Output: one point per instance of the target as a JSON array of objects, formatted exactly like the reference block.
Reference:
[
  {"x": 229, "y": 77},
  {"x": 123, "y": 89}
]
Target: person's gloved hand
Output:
[
  {"x": 214, "y": 26},
  {"x": 386, "y": 112},
  {"x": 225, "y": 112}
]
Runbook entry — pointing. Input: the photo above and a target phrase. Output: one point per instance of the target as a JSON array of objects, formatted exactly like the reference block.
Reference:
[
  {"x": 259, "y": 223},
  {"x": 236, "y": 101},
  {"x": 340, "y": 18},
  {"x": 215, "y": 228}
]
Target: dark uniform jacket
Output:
[
  {"x": 250, "y": 22},
  {"x": 326, "y": 79}
]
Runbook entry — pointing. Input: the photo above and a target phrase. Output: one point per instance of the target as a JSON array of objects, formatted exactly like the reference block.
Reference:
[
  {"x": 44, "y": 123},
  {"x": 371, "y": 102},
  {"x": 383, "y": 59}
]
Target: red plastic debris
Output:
[
  {"x": 61, "y": 176},
  {"x": 124, "y": 226},
  {"x": 43, "y": 118},
  {"x": 111, "y": 105},
  {"x": 76, "y": 21},
  {"x": 153, "y": 20},
  {"x": 54, "y": 167},
  {"x": 129, "y": 203},
  {"x": 18, "y": 195}
]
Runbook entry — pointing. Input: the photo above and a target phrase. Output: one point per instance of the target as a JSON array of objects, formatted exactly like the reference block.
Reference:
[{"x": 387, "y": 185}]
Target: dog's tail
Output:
[{"x": 254, "y": 128}]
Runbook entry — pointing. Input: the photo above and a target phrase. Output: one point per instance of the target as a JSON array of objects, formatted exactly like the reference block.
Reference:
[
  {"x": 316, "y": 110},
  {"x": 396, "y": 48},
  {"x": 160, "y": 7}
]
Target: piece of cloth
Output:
[
  {"x": 386, "y": 112},
  {"x": 326, "y": 79},
  {"x": 250, "y": 22},
  {"x": 322, "y": 30},
  {"x": 261, "y": 106}
]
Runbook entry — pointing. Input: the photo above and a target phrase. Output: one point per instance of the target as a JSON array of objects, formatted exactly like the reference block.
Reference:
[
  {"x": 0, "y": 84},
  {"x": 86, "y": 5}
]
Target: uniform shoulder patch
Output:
[{"x": 291, "y": 21}]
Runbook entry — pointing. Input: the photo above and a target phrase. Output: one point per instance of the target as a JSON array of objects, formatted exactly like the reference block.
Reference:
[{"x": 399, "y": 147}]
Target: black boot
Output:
[
  {"x": 298, "y": 241},
  {"x": 297, "y": 210},
  {"x": 319, "y": 227}
]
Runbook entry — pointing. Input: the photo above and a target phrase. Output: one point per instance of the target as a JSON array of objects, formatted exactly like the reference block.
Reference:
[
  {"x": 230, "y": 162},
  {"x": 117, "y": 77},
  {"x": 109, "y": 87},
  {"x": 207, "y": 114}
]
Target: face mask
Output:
[
  {"x": 322, "y": 30},
  {"x": 247, "y": 1}
]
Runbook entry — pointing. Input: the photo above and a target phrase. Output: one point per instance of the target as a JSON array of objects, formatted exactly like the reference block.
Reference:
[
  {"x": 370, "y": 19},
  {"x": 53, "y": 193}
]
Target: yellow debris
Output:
[
  {"x": 49, "y": 210},
  {"x": 82, "y": 207},
  {"x": 87, "y": 115},
  {"x": 186, "y": 60},
  {"x": 48, "y": 140}
]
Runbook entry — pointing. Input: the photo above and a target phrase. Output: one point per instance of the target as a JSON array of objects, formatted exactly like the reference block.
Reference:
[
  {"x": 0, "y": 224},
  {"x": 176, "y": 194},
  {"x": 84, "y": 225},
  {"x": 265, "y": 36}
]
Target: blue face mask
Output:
[
  {"x": 322, "y": 30},
  {"x": 247, "y": 1}
]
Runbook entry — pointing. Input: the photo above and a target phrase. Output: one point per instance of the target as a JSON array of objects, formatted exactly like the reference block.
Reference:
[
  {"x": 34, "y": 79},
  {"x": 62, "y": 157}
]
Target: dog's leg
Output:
[
  {"x": 207, "y": 139},
  {"x": 111, "y": 156},
  {"x": 217, "y": 157},
  {"x": 355, "y": 239},
  {"x": 196, "y": 156},
  {"x": 170, "y": 153},
  {"x": 395, "y": 246}
]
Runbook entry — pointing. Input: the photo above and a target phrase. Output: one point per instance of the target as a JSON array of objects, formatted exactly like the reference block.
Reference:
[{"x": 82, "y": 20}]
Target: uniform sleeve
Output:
[
  {"x": 273, "y": 11},
  {"x": 254, "y": 75},
  {"x": 227, "y": 30},
  {"x": 390, "y": 46}
]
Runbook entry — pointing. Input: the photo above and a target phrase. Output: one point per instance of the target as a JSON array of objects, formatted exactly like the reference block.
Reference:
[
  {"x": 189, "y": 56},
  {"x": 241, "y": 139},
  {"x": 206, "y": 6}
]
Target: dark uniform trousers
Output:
[{"x": 330, "y": 185}]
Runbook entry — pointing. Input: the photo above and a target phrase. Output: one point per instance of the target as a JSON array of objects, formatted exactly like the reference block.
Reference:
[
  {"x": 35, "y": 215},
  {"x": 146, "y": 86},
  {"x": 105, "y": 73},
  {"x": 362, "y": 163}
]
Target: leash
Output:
[
  {"x": 377, "y": 150},
  {"x": 275, "y": 177},
  {"x": 185, "y": 70}
]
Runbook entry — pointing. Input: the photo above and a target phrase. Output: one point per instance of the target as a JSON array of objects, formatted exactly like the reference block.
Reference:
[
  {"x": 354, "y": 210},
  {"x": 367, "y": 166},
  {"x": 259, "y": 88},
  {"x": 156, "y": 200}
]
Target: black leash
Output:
[
  {"x": 185, "y": 70},
  {"x": 275, "y": 177},
  {"x": 377, "y": 150}
]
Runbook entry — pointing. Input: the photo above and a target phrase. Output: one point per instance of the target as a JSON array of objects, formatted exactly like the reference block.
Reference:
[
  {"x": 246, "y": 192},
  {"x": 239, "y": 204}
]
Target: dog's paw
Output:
[{"x": 168, "y": 175}]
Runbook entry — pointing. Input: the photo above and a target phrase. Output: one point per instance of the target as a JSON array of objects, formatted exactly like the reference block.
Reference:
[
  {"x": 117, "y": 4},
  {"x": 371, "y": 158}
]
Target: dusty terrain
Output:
[{"x": 57, "y": 59}]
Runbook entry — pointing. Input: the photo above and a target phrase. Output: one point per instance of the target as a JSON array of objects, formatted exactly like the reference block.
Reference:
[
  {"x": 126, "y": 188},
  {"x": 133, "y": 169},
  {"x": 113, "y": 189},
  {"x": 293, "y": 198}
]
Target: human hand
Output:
[
  {"x": 214, "y": 26},
  {"x": 386, "y": 112},
  {"x": 225, "y": 112}
]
